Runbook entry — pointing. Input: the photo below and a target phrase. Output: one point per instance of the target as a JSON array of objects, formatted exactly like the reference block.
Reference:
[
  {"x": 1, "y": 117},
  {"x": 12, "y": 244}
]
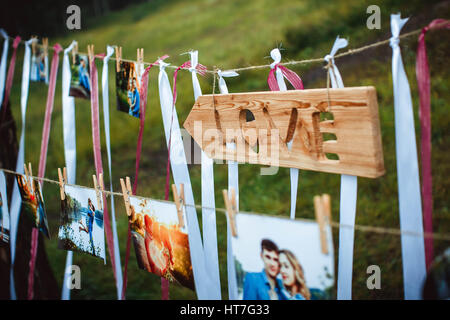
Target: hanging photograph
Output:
[
  {"x": 161, "y": 246},
  {"x": 81, "y": 222},
  {"x": 39, "y": 66},
  {"x": 281, "y": 259},
  {"x": 4, "y": 213},
  {"x": 128, "y": 89},
  {"x": 80, "y": 86},
  {"x": 33, "y": 207}
]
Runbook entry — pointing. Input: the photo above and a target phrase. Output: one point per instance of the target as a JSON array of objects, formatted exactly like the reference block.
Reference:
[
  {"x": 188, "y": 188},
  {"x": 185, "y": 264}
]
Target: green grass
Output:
[{"x": 240, "y": 33}]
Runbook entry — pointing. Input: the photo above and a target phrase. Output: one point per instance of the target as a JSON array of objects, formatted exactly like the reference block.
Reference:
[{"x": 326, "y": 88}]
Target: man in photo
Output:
[{"x": 265, "y": 285}]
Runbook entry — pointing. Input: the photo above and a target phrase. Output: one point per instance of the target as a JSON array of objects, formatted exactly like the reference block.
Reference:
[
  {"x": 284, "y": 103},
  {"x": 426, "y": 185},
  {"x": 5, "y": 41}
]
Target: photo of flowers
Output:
[
  {"x": 33, "y": 207},
  {"x": 128, "y": 89},
  {"x": 281, "y": 259},
  {"x": 161, "y": 246},
  {"x": 81, "y": 226},
  {"x": 80, "y": 86}
]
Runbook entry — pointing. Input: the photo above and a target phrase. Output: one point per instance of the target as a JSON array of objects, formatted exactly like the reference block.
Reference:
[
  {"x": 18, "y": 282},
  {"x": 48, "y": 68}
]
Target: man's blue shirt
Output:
[{"x": 257, "y": 287}]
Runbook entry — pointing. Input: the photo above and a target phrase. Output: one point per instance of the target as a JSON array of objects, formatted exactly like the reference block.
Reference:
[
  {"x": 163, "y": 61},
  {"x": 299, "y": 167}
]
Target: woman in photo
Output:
[
  {"x": 90, "y": 222},
  {"x": 292, "y": 276},
  {"x": 41, "y": 68},
  {"x": 84, "y": 75},
  {"x": 133, "y": 99}
]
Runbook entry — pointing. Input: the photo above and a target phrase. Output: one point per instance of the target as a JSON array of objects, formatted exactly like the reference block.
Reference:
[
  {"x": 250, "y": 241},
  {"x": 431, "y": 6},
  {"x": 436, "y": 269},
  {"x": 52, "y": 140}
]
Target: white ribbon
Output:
[
  {"x": 233, "y": 183},
  {"x": 181, "y": 175},
  {"x": 349, "y": 192},
  {"x": 225, "y": 74},
  {"x": 3, "y": 63},
  {"x": 47, "y": 75},
  {"x": 208, "y": 201},
  {"x": 409, "y": 197},
  {"x": 347, "y": 216},
  {"x": 4, "y": 207},
  {"x": 70, "y": 151},
  {"x": 336, "y": 79},
  {"x": 276, "y": 56},
  {"x": 16, "y": 200},
  {"x": 105, "y": 94}
]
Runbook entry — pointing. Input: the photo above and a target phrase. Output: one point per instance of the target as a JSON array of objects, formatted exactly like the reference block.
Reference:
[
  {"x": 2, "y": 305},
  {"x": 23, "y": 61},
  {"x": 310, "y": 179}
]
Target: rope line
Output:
[
  {"x": 362, "y": 228},
  {"x": 289, "y": 63}
]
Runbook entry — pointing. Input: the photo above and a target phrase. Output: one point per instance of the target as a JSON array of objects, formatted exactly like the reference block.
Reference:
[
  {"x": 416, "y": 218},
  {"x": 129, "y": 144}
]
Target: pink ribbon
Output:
[
  {"x": 290, "y": 75},
  {"x": 142, "y": 107},
  {"x": 423, "y": 83},
  {"x": 10, "y": 76},
  {"x": 32, "y": 263},
  {"x": 49, "y": 109},
  {"x": 43, "y": 159},
  {"x": 98, "y": 157}
]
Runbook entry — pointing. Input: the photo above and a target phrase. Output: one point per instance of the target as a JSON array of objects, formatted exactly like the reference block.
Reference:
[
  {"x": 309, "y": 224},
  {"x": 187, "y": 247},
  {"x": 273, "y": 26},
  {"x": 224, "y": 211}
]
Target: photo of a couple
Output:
[
  {"x": 161, "y": 245},
  {"x": 80, "y": 86},
  {"x": 281, "y": 259},
  {"x": 39, "y": 66},
  {"x": 266, "y": 285},
  {"x": 128, "y": 89}
]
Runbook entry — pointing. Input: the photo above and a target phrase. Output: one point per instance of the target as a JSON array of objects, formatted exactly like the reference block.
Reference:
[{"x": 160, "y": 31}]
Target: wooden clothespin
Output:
[
  {"x": 98, "y": 189},
  {"x": 322, "y": 210},
  {"x": 118, "y": 57},
  {"x": 28, "y": 173},
  {"x": 74, "y": 52},
  {"x": 90, "y": 49},
  {"x": 62, "y": 182},
  {"x": 34, "y": 44},
  {"x": 126, "y": 191},
  {"x": 230, "y": 205},
  {"x": 179, "y": 202},
  {"x": 326, "y": 201},
  {"x": 140, "y": 61},
  {"x": 45, "y": 46}
]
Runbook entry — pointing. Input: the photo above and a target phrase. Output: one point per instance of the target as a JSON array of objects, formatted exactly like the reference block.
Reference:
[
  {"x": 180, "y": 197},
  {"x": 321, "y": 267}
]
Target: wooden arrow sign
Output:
[{"x": 335, "y": 130}]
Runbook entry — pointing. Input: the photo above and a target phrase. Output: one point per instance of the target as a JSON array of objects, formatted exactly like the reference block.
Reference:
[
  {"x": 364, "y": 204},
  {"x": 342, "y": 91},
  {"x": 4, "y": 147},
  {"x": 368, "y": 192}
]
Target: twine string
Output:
[
  {"x": 380, "y": 230},
  {"x": 295, "y": 62}
]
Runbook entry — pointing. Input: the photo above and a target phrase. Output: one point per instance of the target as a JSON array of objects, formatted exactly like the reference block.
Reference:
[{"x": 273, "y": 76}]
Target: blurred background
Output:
[{"x": 231, "y": 34}]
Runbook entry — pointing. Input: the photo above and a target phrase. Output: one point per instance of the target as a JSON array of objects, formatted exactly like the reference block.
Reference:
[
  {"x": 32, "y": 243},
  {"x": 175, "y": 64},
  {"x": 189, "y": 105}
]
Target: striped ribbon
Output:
[
  {"x": 142, "y": 107},
  {"x": 423, "y": 83},
  {"x": 43, "y": 160},
  {"x": 10, "y": 76}
]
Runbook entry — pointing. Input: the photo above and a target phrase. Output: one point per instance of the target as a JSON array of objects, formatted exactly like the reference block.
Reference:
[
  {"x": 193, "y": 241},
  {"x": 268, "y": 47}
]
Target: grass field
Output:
[{"x": 241, "y": 33}]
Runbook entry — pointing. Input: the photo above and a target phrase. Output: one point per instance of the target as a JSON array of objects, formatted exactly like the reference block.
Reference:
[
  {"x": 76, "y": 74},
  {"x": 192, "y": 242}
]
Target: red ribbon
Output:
[
  {"x": 290, "y": 75},
  {"x": 43, "y": 159},
  {"x": 49, "y": 109},
  {"x": 10, "y": 76},
  {"x": 423, "y": 83},
  {"x": 32, "y": 263},
  {"x": 142, "y": 107},
  {"x": 98, "y": 158}
]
